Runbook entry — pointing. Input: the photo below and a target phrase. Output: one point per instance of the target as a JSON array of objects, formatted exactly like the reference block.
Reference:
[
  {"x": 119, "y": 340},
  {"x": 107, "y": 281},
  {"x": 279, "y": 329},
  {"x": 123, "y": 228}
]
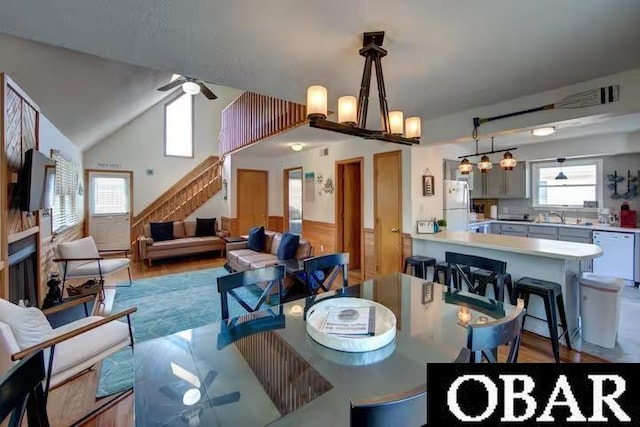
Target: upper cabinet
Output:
[{"x": 495, "y": 184}]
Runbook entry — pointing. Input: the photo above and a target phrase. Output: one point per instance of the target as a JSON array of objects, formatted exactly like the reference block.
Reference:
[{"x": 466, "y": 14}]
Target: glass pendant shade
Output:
[
  {"x": 485, "y": 164},
  {"x": 347, "y": 109},
  {"x": 413, "y": 127},
  {"x": 465, "y": 167},
  {"x": 317, "y": 102},
  {"x": 191, "y": 88},
  {"x": 396, "y": 122},
  {"x": 508, "y": 162}
]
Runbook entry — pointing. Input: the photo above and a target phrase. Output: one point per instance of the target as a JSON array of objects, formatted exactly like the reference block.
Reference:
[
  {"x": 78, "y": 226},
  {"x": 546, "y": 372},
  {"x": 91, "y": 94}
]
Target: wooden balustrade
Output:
[
  {"x": 184, "y": 197},
  {"x": 253, "y": 117}
]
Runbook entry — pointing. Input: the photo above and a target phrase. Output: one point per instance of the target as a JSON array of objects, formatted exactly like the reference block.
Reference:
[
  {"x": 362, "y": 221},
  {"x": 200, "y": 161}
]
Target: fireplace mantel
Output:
[{"x": 21, "y": 235}]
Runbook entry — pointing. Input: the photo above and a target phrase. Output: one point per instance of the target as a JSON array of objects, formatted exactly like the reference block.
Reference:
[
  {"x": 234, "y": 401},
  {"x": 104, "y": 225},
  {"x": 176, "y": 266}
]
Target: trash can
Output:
[{"x": 600, "y": 298}]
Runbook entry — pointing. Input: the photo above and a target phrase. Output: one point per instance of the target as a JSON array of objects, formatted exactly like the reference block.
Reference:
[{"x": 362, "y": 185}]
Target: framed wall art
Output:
[{"x": 428, "y": 185}]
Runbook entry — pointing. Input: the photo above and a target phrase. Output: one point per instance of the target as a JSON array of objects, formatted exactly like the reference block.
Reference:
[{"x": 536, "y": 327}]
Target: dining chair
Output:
[
  {"x": 21, "y": 389},
  {"x": 330, "y": 265},
  {"x": 400, "y": 409},
  {"x": 459, "y": 266},
  {"x": 483, "y": 340},
  {"x": 227, "y": 285}
]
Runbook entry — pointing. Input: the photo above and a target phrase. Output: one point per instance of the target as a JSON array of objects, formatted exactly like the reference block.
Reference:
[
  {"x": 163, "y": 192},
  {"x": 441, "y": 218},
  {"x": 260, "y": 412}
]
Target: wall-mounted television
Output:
[{"x": 32, "y": 181}]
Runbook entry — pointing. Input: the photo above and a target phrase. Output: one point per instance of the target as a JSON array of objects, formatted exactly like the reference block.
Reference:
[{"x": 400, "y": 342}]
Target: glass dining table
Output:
[{"x": 264, "y": 369}]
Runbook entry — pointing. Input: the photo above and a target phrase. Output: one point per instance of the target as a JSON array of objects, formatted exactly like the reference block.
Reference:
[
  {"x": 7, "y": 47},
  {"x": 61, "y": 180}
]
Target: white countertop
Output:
[
  {"x": 522, "y": 245},
  {"x": 595, "y": 226}
]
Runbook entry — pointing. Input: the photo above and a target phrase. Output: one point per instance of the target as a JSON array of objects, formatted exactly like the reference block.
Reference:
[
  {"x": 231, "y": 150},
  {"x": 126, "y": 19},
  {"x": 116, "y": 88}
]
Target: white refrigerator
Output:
[{"x": 456, "y": 205}]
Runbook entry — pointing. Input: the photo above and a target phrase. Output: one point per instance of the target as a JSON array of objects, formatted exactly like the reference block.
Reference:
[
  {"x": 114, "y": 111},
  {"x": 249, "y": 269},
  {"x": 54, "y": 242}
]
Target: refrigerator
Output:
[{"x": 456, "y": 205}]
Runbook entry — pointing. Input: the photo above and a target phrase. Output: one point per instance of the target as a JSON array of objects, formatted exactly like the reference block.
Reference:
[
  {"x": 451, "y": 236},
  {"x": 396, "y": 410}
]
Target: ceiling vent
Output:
[{"x": 324, "y": 152}]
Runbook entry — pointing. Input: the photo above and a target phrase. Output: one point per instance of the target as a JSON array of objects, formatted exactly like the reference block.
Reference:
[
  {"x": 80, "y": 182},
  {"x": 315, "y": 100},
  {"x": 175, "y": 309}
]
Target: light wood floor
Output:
[{"x": 73, "y": 400}]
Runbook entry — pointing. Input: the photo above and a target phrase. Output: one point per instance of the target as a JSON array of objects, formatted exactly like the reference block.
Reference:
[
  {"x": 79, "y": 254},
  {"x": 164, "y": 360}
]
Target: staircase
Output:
[{"x": 184, "y": 197}]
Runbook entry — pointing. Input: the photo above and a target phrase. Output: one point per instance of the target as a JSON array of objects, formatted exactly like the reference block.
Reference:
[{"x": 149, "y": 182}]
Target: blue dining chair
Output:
[
  {"x": 271, "y": 276},
  {"x": 401, "y": 409},
  {"x": 330, "y": 265}
]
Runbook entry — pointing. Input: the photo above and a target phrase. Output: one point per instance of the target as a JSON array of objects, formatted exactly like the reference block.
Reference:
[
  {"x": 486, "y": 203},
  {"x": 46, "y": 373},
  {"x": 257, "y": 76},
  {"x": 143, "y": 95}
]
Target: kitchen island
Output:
[{"x": 551, "y": 260}]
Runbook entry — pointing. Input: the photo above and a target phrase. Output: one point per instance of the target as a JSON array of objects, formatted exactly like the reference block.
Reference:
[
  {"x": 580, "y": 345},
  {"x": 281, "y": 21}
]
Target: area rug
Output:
[{"x": 166, "y": 305}]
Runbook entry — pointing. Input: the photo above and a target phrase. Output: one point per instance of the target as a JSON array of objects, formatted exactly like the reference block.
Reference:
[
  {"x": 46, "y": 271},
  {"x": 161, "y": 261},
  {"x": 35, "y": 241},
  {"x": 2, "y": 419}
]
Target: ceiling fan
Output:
[{"x": 189, "y": 85}]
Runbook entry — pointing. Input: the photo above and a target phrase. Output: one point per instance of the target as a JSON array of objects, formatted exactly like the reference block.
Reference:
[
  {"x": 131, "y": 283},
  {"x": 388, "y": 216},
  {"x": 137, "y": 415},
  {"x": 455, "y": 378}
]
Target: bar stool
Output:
[
  {"x": 419, "y": 264},
  {"x": 441, "y": 267},
  {"x": 551, "y": 293},
  {"x": 481, "y": 275}
]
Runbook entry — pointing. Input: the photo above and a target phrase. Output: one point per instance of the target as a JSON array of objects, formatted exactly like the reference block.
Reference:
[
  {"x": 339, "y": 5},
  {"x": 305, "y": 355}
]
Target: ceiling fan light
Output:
[
  {"x": 296, "y": 147},
  {"x": 191, "y": 88},
  {"x": 396, "y": 122},
  {"x": 317, "y": 102},
  {"x": 413, "y": 127},
  {"x": 347, "y": 110},
  {"x": 485, "y": 164},
  {"x": 465, "y": 167},
  {"x": 508, "y": 162},
  {"x": 544, "y": 131}
]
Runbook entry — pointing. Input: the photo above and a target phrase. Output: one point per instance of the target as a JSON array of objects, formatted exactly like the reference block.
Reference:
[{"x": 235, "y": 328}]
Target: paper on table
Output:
[{"x": 350, "y": 321}]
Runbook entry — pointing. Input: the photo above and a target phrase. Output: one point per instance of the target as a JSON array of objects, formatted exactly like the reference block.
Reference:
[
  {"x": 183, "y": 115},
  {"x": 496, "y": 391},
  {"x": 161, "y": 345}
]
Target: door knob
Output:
[{"x": 394, "y": 230}]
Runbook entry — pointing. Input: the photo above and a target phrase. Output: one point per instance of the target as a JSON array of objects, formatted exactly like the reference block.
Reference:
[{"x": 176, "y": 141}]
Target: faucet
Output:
[{"x": 562, "y": 215}]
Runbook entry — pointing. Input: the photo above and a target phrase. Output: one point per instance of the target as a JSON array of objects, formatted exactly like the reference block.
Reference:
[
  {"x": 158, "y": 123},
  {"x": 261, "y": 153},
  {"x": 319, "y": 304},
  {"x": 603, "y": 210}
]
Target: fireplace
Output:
[{"x": 23, "y": 270}]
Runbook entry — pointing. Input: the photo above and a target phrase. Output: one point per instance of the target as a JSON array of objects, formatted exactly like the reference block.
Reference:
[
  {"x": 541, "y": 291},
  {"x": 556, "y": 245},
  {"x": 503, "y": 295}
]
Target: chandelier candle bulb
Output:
[
  {"x": 396, "y": 122},
  {"x": 413, "y": 127},
  {"x": 348, "y": 110},
  {"x": 317, "y": 102}
]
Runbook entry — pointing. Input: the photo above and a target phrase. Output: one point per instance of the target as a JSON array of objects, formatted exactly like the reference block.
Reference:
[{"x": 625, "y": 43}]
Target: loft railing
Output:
[
  {"x": 253, "y": 117},
  {"x": 184, "y": 197}
]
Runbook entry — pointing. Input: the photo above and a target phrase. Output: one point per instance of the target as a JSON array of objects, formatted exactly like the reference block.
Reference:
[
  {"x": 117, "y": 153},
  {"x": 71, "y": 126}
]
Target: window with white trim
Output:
[
  {"x": 583, "y": 183},
  {"x": 178, "y": 126},
  {"x": 65, "y": 193},
  {"x": 109, "y": 195}
]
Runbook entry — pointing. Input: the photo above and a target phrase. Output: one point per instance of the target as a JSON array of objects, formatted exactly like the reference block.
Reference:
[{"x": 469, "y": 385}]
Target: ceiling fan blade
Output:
[
  {"x": 211, "y": 376},
  {"x": 224, "y": 399},
  {"x": 206, "y": 92},
  {"x": 171, "y": 85}
]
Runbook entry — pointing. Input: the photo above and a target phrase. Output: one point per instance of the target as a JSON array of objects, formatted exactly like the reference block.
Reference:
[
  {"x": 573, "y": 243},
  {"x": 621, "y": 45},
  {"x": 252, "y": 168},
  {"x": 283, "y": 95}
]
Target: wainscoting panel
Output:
[
  {"x": 369, "y": 254},
  {"x": 274, "y": 223},
  {"x": 407, "y": 246},
  {"x": 229, "y": 224},
  {"x": 321, "y": 235}
]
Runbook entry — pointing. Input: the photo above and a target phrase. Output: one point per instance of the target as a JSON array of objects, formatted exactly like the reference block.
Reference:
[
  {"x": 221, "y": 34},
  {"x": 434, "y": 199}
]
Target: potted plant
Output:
[{"x": 442, "y": 224}]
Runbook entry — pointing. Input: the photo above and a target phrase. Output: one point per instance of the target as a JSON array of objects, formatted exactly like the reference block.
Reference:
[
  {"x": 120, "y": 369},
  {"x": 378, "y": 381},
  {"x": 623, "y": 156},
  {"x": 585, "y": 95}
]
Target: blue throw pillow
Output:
[
  {"x": 256, "y": 239},
  {"x": 288, "y": 246},
  {"x": 161, "y": 231}
]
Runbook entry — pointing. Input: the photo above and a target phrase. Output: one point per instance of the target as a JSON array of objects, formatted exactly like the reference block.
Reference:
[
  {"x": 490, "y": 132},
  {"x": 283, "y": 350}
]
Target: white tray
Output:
[{"x": 385, "y": 330}]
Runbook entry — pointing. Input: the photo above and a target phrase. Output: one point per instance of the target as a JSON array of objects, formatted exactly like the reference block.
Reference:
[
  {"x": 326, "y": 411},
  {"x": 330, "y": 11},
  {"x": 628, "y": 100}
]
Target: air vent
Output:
[{"x": 324, "y": 152}]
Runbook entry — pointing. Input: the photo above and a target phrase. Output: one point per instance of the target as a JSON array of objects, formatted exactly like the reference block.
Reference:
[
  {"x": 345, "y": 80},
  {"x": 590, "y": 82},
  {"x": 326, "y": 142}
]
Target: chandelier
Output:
[{"x": 352, "y": 112}]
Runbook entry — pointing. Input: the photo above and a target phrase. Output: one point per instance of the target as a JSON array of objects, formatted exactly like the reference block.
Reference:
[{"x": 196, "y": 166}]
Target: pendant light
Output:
[
  {"x": 561, "y": 175},
  {"x": 508, "y": 162},
  {"x": 465, "y": 167},
  {"x": 485, "y": 164}
]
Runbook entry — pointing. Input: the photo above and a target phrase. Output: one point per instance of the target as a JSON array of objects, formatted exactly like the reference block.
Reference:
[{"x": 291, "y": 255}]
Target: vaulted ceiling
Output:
[{"x": 444, "y": 56}]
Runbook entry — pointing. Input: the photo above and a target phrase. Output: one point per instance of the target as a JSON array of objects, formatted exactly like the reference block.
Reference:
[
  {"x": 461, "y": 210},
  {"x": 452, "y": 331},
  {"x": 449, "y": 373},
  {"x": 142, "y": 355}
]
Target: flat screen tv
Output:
[{"x": 32, "y": 181}]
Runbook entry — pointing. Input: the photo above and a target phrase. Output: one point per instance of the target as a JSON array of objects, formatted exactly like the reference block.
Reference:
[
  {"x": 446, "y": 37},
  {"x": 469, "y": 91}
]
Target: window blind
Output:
[
  {"x": 65, "y": 194},
  {"x": 109, "y": 195}
]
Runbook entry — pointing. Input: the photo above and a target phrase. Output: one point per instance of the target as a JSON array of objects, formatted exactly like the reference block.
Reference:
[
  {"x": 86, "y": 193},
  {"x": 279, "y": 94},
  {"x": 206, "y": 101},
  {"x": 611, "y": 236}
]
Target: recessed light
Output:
[
  {"x": 296, "y": 147},
  {"x": 543, "y": 131}
]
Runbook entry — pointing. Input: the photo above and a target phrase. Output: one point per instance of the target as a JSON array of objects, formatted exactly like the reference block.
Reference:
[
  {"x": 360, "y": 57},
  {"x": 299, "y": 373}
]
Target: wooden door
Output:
[
  {"x": 351, "y": 213},
  {"x": 388, "y": 211},
  {"x": 252, "y": 198}
]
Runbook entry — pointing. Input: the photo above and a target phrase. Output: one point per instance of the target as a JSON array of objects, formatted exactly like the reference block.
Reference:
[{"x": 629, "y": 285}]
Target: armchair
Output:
[
  {"x": 69, "y": 349},
  {"x": 81, "y": 259}
]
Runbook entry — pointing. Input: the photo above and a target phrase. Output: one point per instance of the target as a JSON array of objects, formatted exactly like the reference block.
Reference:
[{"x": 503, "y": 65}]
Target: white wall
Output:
[
  {"x": 139, "y": 145},
  {"x": 52, "y": 139},
  {"x": 322, "y": 209}
]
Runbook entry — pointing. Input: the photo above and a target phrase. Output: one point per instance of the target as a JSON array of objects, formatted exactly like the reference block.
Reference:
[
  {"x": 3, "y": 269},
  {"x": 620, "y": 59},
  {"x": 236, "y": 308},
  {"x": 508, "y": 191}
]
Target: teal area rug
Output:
[{"x": 166, "y": 305}]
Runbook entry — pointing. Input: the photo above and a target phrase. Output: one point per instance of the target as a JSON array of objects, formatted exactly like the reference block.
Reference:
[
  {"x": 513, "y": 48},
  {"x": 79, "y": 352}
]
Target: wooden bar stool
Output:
[
  {"x": 419, "y": 264},
  {"x": 551, "y": 294}
]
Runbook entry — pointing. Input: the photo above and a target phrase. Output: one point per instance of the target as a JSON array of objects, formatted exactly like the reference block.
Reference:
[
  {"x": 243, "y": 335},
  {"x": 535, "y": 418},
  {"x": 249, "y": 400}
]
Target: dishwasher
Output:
[{"x": 618, "y": 253}]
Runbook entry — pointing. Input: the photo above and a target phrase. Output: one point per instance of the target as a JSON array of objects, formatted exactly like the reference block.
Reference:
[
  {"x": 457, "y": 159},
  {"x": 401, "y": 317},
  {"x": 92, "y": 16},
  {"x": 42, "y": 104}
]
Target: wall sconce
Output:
[{"x": 224, "y": 186}]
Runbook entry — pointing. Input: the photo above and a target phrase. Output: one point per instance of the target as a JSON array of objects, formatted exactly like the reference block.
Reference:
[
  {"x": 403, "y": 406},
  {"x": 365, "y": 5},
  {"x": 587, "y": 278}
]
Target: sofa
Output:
[
  {"x": 239, "y": 258},
  {"x": 184, "y": 242}
]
